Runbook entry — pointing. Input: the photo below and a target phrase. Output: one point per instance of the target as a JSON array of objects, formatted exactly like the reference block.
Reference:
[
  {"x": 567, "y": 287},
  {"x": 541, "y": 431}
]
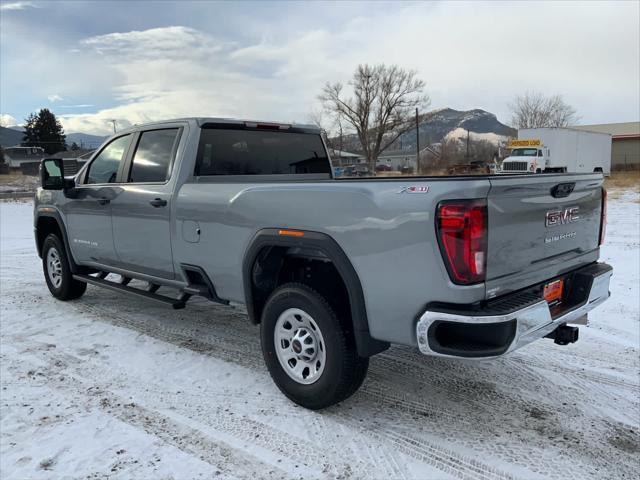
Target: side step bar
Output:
[{"x": 99, "y": 281}]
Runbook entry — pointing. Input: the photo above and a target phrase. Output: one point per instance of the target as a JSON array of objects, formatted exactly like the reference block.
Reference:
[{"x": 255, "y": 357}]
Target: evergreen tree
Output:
[
  {"x": 44, "y": 130},
  {"x": 74, "y": 146},
  {"x": 4, "y": 167}
]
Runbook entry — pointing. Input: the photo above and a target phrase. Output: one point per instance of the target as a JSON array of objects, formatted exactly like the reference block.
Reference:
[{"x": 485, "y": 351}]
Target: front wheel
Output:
[
  {"x": 310, "y": 354},
  {"x": 57, "y": 272}
]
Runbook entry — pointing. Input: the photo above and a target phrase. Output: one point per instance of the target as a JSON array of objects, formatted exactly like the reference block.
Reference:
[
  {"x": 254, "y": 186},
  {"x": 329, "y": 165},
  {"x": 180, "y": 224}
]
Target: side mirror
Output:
[{"x": 52, "y": 174}]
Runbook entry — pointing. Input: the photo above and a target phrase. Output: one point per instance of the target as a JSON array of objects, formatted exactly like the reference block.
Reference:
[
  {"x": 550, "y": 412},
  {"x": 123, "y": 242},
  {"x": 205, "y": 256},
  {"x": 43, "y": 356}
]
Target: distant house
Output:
[
  {"x": 16, "y": 156},
  {"x": 625, "y": 143},
  {"x": 340, "y": 158},
  {"x": 430, "y": 156}
]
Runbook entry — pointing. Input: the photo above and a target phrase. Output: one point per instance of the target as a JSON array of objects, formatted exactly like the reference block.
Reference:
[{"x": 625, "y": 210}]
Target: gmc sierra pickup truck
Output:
[{"x": 333, "y": 270}]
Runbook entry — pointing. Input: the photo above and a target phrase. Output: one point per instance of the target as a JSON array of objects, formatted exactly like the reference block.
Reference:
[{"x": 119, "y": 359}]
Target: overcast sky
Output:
[{"x": 90, "y": 62}]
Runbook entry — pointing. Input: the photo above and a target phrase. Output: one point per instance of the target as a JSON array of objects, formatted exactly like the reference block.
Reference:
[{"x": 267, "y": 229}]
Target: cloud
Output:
[
  {"x": 166, "y": 73},
  {"x": 80, "y": 105},
  {"x": 7, "y": 120},
  {"x": 176, "y": 71},
  {"x": 16, "y": 6},
  {"x": 54, "y": 98},
  {"x": 153, "y": 43}
]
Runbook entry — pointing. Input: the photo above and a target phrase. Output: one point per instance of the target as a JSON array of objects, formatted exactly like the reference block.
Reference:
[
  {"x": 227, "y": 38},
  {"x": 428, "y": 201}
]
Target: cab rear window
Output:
[{"x": 225, "y": 151}]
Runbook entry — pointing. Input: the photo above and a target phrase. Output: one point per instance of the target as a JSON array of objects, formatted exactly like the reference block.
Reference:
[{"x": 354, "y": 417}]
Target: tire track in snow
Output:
[
  {"x": 226, "y": 340},
  {"x": 229, "y": 340},
  {"x": 316, "y": 453},
  {"x": 189, "y": 440},
  {"x": 222, "y": 351}
]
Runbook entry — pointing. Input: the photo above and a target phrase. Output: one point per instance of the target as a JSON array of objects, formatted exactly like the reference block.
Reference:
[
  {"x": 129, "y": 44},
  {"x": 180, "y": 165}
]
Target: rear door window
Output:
[
  {"x": 258, "y": 152},
  {"x": 153, "y": 156},
  {"x": 104, "y": 168}
]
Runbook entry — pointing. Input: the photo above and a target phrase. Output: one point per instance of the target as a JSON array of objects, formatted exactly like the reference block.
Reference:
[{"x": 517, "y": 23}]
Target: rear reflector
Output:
[
  {"x": 552, "y": 292},
  {"x": 603, "y": 218},
  {"x": 462, "y": 235}
]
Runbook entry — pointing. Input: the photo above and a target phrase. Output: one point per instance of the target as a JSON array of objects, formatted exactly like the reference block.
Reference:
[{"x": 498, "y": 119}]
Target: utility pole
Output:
[
  {"x": 114, "y": 125},
  {"x": 467, "y": 146},
  {"x": 417, "y": 143},
  {"x": 340, "y": 125}
]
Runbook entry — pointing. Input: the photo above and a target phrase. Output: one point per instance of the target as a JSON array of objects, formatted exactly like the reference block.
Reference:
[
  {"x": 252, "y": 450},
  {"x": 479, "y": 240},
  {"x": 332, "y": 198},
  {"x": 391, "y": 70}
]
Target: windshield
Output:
[{"x": 524, "y": 152}]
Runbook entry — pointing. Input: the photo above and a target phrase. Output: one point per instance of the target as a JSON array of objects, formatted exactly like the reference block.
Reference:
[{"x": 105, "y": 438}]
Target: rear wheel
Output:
[
  {"x": 310, "y": 354},
  {"x": 57, "y": 272}
]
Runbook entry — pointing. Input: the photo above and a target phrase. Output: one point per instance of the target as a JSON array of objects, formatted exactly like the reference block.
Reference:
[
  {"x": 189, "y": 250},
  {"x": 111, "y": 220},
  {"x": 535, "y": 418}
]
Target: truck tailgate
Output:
[{"x": 540, "y": 226}]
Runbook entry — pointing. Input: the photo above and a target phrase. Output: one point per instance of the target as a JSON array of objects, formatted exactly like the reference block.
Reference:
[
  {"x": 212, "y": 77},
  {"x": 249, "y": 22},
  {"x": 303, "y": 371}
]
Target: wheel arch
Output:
[
  {"x": 50, "y": 221},
  {"x": 318, "y": 246}
]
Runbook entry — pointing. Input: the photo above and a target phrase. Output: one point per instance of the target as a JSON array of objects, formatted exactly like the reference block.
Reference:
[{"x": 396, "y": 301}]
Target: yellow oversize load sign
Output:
[{"x": 524, "y": 143}]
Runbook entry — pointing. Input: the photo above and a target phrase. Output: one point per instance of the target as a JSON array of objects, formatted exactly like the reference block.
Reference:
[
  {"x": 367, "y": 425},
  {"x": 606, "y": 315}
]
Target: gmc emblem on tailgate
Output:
[{"x": 554, "y": 218}]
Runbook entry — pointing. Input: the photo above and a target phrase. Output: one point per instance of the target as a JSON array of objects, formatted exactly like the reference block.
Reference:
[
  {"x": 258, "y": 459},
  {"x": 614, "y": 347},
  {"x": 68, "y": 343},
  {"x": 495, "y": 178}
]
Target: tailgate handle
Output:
[{"x": 562, "y": 190}]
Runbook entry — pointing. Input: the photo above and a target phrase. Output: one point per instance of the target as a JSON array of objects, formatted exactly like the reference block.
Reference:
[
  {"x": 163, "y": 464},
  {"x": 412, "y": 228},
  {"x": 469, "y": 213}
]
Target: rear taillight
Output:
[
  {"x": 462, "y": 234},
  {"x": 603, "y": 218}
]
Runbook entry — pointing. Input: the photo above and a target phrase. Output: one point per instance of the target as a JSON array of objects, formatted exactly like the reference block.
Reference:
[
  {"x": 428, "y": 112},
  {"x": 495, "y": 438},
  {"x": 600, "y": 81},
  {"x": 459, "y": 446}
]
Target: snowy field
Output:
[{"x": 111, "y": 386}]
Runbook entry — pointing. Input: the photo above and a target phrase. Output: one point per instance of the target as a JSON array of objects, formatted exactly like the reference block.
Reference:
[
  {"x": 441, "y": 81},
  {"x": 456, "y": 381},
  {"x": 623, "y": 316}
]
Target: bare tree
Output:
[
  {"x": 317, "y": 118},
  {"x": 449, "y": 152},
  {"x": 382, "y": 106},
  {"x": 534, "y": 110},
  {"x": 332, "y": 128},
  {"x": 482, "y": 151}
]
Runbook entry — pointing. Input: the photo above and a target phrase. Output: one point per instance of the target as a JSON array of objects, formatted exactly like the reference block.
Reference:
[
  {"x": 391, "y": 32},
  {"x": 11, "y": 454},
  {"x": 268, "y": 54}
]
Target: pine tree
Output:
[
  {"x": 44, "y": 130},
  {"x": 74, "y": 146},
  {"x": 4, "y": 167}
]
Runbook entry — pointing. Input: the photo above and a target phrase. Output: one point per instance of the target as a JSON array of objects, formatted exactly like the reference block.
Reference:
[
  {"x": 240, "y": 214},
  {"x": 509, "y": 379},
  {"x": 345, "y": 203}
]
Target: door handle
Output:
[
  {"x": 103, "y": 200},
  {"x": 158, "y": 202}
]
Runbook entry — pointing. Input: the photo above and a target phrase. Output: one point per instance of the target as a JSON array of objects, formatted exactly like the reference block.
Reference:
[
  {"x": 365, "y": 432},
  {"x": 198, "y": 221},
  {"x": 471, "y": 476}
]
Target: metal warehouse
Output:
[{"x": 625, "y": 143}]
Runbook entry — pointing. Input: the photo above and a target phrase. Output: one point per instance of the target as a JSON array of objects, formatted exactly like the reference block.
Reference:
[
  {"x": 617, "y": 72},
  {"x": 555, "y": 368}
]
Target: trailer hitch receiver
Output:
[{"x": 564, "y": 335}]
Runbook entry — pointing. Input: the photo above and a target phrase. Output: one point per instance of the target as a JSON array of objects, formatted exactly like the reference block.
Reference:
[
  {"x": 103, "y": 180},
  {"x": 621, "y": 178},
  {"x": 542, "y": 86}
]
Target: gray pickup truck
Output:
[{"x": 333, "y": 270}]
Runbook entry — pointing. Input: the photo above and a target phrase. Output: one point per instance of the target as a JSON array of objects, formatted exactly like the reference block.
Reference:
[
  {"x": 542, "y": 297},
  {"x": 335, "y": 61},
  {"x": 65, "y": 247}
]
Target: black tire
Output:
[
  {"x": 67, "y": 288},
  {"x": 344, "y": 370}
]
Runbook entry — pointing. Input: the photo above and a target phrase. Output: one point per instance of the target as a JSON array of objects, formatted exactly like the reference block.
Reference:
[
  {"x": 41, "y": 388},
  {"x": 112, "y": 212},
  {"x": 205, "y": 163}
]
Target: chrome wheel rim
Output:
[
  {"x": 300, "y": 346},
  {"x": 54, "y": 267}
]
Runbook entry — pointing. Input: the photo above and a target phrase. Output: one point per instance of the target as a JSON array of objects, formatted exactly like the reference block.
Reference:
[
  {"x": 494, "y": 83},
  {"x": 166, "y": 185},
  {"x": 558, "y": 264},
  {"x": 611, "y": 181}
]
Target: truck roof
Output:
[{"x": 201, "y": 121}]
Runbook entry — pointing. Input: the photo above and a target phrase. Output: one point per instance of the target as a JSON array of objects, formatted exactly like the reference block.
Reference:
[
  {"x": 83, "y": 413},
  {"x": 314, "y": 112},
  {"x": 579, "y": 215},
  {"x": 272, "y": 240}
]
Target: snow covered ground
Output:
[
  {"x": 111, "y": 386},
  {"x": 16, "y": 182}
]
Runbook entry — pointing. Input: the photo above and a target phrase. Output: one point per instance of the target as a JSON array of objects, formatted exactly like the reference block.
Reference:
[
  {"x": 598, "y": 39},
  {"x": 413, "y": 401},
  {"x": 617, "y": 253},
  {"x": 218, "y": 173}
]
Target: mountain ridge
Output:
[
  {"x": 12, "y": 136},
  {"x": 441, "y": 124}
]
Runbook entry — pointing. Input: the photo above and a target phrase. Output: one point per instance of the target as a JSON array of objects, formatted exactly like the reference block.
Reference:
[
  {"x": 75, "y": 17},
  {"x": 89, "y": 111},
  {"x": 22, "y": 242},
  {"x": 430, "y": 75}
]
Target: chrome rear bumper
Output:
[{"x": 518, "y": 327}]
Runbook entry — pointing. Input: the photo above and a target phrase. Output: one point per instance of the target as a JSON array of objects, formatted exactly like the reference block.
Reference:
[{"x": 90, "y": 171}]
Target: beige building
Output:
[{"x": 625, "y": 143}]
